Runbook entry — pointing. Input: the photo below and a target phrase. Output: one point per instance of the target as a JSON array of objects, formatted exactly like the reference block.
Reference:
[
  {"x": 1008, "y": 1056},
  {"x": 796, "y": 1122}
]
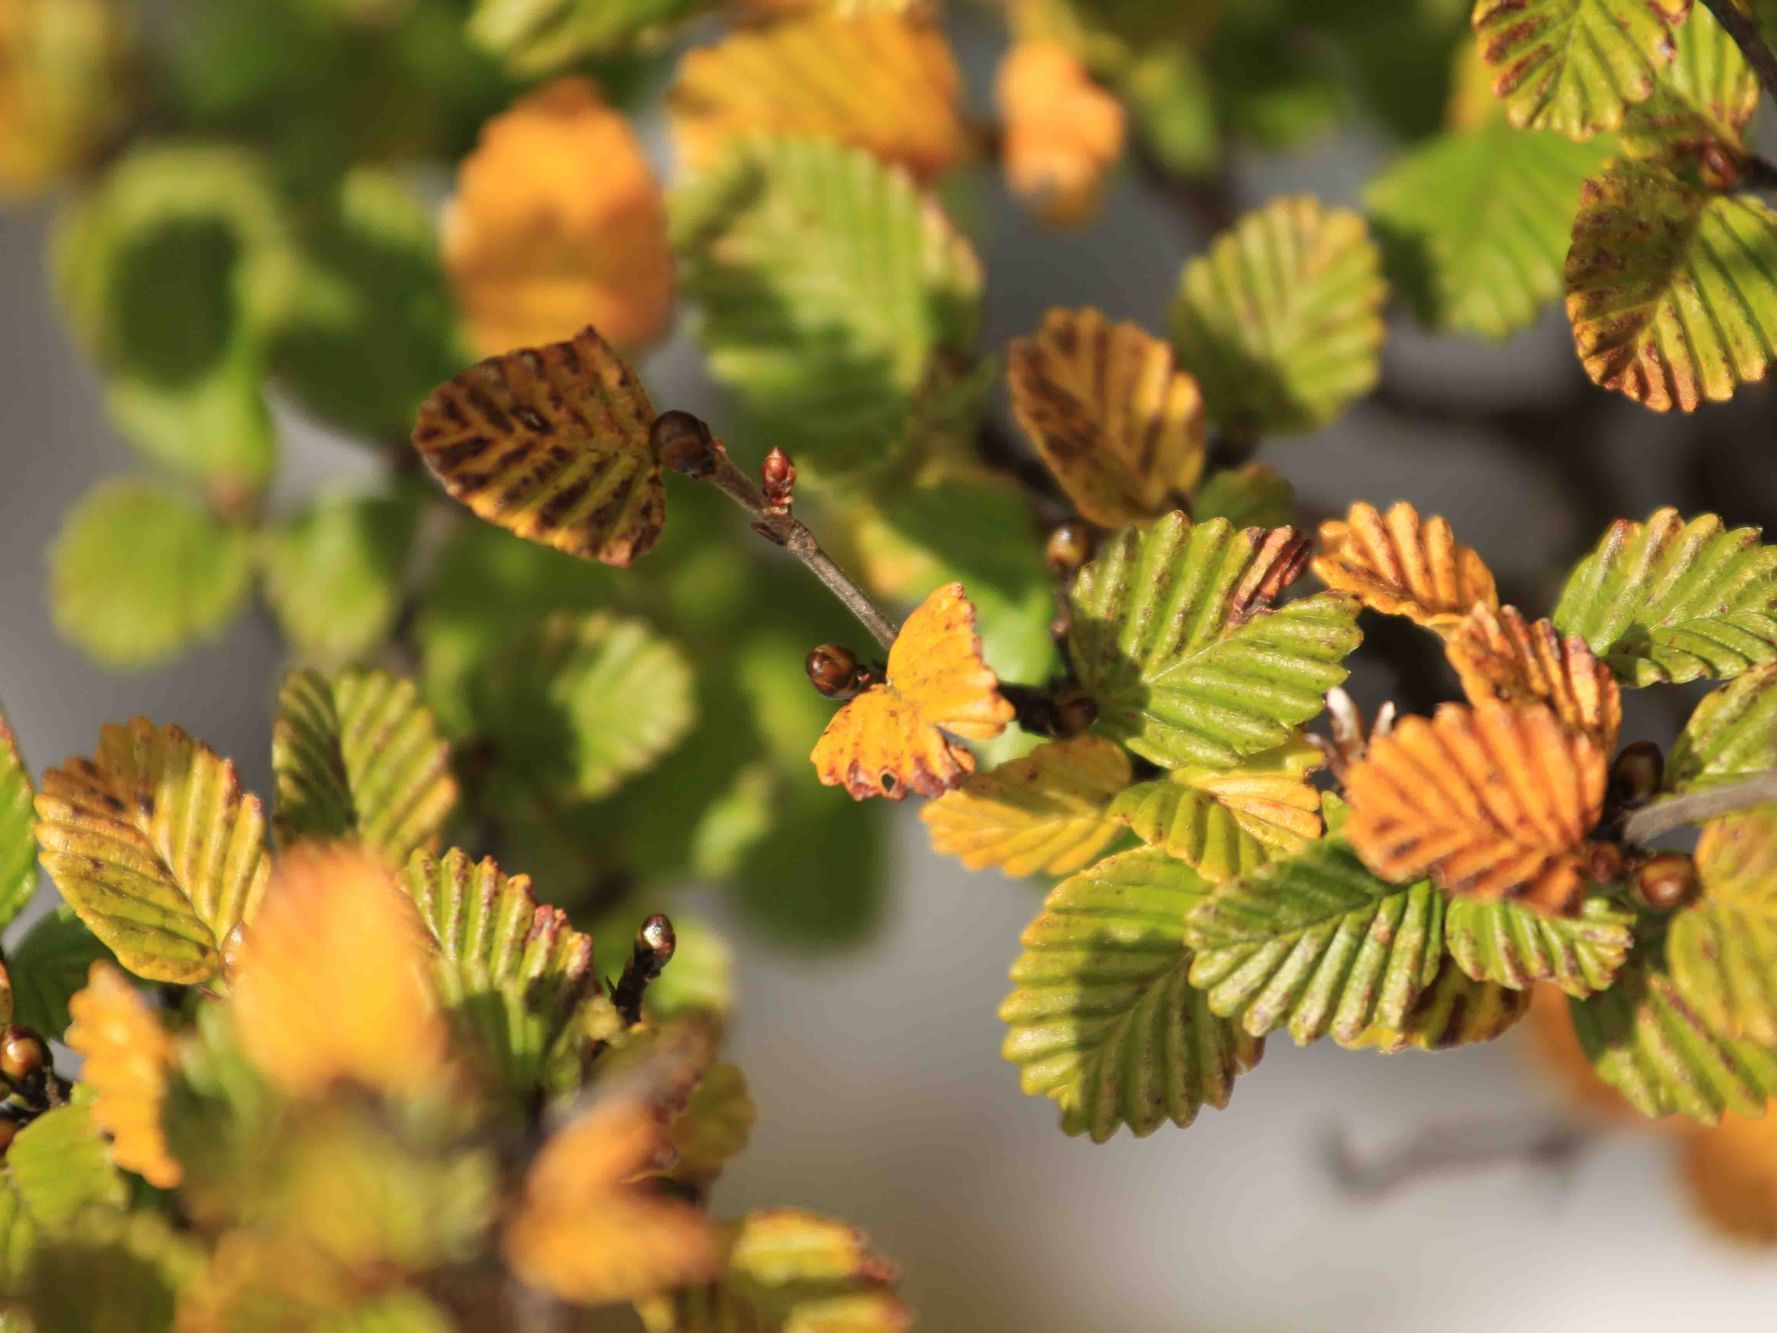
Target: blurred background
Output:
[{"x": 876, "y": 1068}]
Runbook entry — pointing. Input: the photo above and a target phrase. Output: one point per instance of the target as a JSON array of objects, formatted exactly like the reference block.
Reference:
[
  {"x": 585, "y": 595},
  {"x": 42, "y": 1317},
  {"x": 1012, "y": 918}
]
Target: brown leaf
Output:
[
  {"x": 1501, "y": 658},
  {"x": 1061, "y": 132},
  {"x": 1402, "y": 565}
]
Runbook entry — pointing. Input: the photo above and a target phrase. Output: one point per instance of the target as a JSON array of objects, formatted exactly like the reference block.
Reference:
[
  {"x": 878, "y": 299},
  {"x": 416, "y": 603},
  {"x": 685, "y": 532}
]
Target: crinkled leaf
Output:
[
  {"x": 333, "y": 574},
  {"x": 1731, "y": 735},
  {"x": 1706, "y": 95},
  {"x": 1722, "y": 949},
  {"x": 1667, "y": 600},
  {"x": 1165, "y": 639},
  {"x": 139, "y": 571},
  {"x": 156, "y": 848},
  {"x": 1454, "y": 1010},
  {"x": 1671, "y": 287},
  {"x": 110, "y": 1270},
  {"x": 48, "y": 966},
  {"x": 358, "y": 758},
  {"x": 1499, "y": 657},
  {"x": 1103, "y": 1019},
  {"x": 1517, "y": 946},
  {"x": 59, "y": 1166},
  {"x": 126, "y": 1055},
  {"x": 18, "y": 821},
  {"x": 1317, "y": 944},
  {"x": 537, "y": 36},
  {"x": 1253, "y": 495},
  {"x": 1281, "y": 322},
  {"x": 1402, "y": 565}
]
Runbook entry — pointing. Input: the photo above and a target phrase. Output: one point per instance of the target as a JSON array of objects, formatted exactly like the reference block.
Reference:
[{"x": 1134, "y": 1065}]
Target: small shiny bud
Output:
[
  {"x": 1069, "y": 547},
  {"x": 1604, "y": 862},
  {"x": 1075, "y": 711},
  {"x": 777, "y": 478},
  {"x": 657, "y": 934},
  {"x": 1636, "y": 774},
  {"x": 683, "y": 442},
  {"x": 1719, "y": 168},
  {"x": 23, "y": 1054},
  {"x": 833, "y": 670},
  {"x": 1666, "y": 881}
]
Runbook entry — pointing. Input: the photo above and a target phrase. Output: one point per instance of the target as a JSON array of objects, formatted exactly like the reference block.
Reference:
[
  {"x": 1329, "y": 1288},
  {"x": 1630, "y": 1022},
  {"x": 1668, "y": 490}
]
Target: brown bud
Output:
[
  {"x": 1635, "y": 775},
  {"x": 658, "y": 936},
  {"x": 1604, "y": 862},
  {"x": 23, "y": 1054},
  {"x": 777, "y": 478},
  {"x": 1666, "y": 881},
  {"x": 683, "y": 442},
  {"x": 833, "y": 670},
  {"x": 1069, "y": 547},
  {"x": 1719, "y": 168},
  {"x": 1075, "y": 710}
]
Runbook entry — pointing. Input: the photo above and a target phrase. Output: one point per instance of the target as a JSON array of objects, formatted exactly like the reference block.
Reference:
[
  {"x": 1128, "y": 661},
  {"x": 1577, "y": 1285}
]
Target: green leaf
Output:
[
  {"x": 357, "y": 756},
  {"x": 154, "y": 846},
  {"x": 538, "y": 36},
  {"x": 18, "y": 1237},
  {"x": 139, "y": 572},
  {"x": 1454, "y": 1010},
  {"x": 714, "y": 1126},
  {"x": 1708, "y": 93},
  {"x": 829, "y": 287},
  {"x": 1253, "y": 495},
  {"x": 1281, "y": 322},
  {"x": 48, "y": 966},
  {"x": 111, "y": 1270},
  {"x": 584, "y": 702},
  {"x": 1576, "y": 66},
  {"x": 333, "y": 574},
  {"x": 1475, "y": 225},
  {"x": 1665, "y": 600},
  {"x": 1649, "y": 1044},
  {"x": 1177, "y": 676},
  {"x": 1671, "y": 287},
  {"x": 1517, "y": 946},
  {"x": 170, "y": 271},
  {"x": 1103, "y": 1019},
  {"x": 59, "y": 1166},
  {"x": 1318, "y": 944},
  {"x": 18, "y": 823},
  {"x": 1723, "y": 948},
  {"x": 1731, "y": 735}
]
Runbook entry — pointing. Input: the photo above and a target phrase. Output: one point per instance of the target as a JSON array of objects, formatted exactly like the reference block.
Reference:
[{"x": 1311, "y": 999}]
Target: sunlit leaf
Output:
[
  {"x": 537, "y": 246},
  {"x": 18, "y": 822},
  {"x": 1517, "y": 946},
  {"x": 332, "y": 981},
  {"x": 791, "y": 1270},
  {"x": 1048, "y": 813},
  {"x": 1706, "y": 95},
  {"x": 1492, "y": 802},
  {"x": 358, "y": 758},
  {"x": 48, "y": 966},
  {"x": 1281, "y": 322},
  {"x": 1171, "y": 639},
  {"x": 1723, "y": 948},
  {"x": 1667, "y": 600},
  {"x": 1317, "y": 944},
  {"x": 1576, "y": 66},
  {"x": 552, "y": 443},
  {"x": 1402, "y": 565},
  {"x": 1226, "y": 821},
  {"x": 714, "y": 1126},
  {"x": 882, "y": 82},
  {"x": 108, "y": 1270},
  {"x": 1732, "y": 734},
  {"x": 126, "y": 1056},
  {"x": 1253, "y": 495},
  {"x": 156, "y": 848},
  {"x": 1062, "y": 133},
  {"x": 333, "y": 574},
  {"x": 61, "y": 80},
  {"x": 1102, "y": 1018},
  {"x": 904, "y": 733},
  {"x": 1671, "y": 287},
  {"x": 1118, "y": 424},
  {"x": 537, "y": 36},
  {"x": 1454, "y": 1010},
  {"x": 59, "y": 1167},
  {"x": 1500, "y": 657},
  {"x": 139, "y": 571},
  {"x": 1731, "y": 1171}
]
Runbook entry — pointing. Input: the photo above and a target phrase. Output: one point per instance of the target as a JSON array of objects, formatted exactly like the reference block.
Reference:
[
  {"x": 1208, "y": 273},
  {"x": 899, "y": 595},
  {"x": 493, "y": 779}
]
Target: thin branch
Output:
[
  {"x": 1743, "y": 28},
  {"x": 1651, "y": 821},
  {"x": 1442, "y": 1150}
]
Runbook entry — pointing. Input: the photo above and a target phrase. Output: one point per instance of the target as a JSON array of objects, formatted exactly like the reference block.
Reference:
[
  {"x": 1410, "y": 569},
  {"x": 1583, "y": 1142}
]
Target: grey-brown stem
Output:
[
  {"x": 1651, "y": 821},
  {"x": 1744, "y": 29}
]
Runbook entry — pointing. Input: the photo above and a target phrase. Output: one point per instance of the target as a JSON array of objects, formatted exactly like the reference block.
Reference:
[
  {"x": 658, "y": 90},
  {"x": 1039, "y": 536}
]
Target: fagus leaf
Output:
[
  {"x": 1317, "y": 944},
  {"x": 1722, "y": 949},
  {"x": 1671, "y": 287},
  {"x": 1499, "y": 657},
  {"x": 1402, "y": 565},
  {"x": 48, "y": 966},
  {"x": 155, "y": 847},
  {"x": 1732, "y": 734},
  {"x": 333, "y": 574},
  {"x": 1706, "y": 95},
  {"x": 126, "y": 1057},
  {"x": 1281, "y": 322},
  {"x": 537, "y": 36},
  {"x": 18, "y": 821},
  {"x": 1253, "y": 495},
  {"x": 1061, "y": 132},
  {"x": 1103, "y": 1019},
  {"x": 1454, "y": 1010},
  {"x": 59, "y": 1167},
  {"x": 1668, "y": 600},
  {"x": 1517, "y": 946},
  {"x": 1170, "y": 640}
]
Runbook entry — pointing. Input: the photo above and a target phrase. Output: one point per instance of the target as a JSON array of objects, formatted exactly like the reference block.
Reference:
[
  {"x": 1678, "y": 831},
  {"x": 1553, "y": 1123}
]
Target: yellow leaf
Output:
[
  {"x": 553, "y": 444},
  {"x": 333, "y": 980},
  {"x": 1062, "y": 133},
  {"x": 61, "y": 85},
  {"x": 1400, "y": 565},
  {"x": 1492, "y": 802},
  {"x": 128, "y": 1054},
  {"x": 882, "y": 82},
  {"x": 891, "y": 739},
  {"x": 1500, "y": 657},
  {"x": 1731, "y": 1171},
  {"x": 1047, "y": 813},
  {"x": 558, "y": 222},
  {"x": 585, "y": 1233},
  {"x": 1119, "y": 425}
]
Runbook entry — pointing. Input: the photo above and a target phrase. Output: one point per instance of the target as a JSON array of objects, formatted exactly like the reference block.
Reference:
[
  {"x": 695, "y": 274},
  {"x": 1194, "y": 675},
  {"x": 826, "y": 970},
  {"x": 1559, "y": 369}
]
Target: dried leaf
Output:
[
  {"x": 1062, "y": 133},
  {"x": 881, "y": 82},
  {"x": 892, "y": 738},
  {"x": 1402, "y": 565},
  {"x": 553, "y": 444},
  {"x": 1492, "y": 802},
  {"x": 538, "y": 243},
  {"x": 1731, "y": 735},
  {"x": 1501, "y": 658},
  {"x": 1723, "y": 948},
  {"x": 127, "y": 1055},
  {"x": 1515, "y": 946},
  {"x": 18, "y": 823},
  {"x": 1119, "y": 426},
  {"x": 1047, "y": 813},
  {"x": 154, "y": 846}
]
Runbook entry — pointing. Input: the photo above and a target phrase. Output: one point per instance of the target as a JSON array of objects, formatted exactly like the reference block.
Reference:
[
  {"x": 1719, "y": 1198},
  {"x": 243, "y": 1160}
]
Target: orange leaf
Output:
[
  {"x": 558, "y": 222},
  {"x": 1118, "y": 424},
  {"x": 333, "y": 980},
  {"x": 584, "y": 1232},
  {"x": 1731, "y": 1170},
  {"x": 1401, "y": 565},
  {"x": 891, "y": 738},
  {"x": 882, "y": 82},
  {"x": 552, "y": 444},
  {"x": 128, "y": 1054},
  {"x": 1062, "y": 132},
  {"x": 1492, "y": 802},
  {"x": 1500, "y": 657}
]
